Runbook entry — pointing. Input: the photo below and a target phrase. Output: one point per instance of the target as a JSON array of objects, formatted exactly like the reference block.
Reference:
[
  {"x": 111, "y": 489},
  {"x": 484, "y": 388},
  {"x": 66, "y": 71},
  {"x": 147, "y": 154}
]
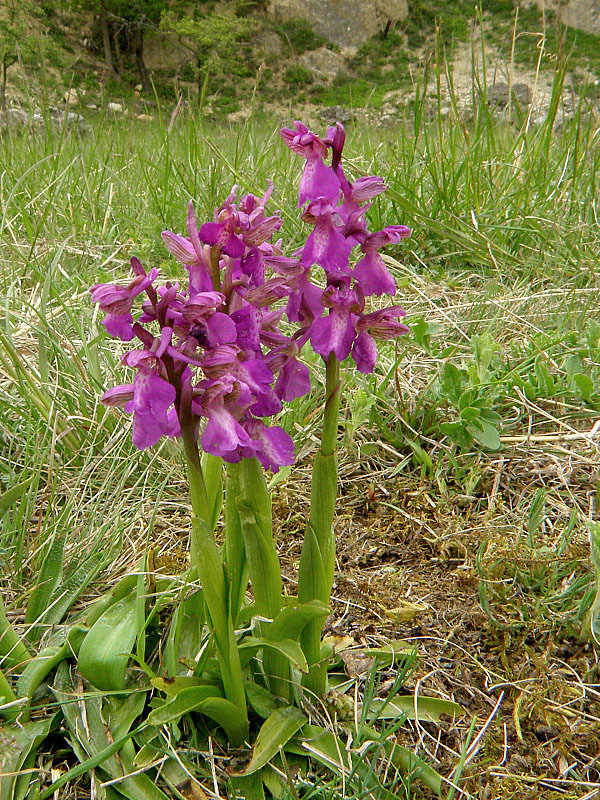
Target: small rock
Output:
[
  {"x": 335, "y": 114},
  {"x": 323, "y": 63},
  {"x": 92, "y": 106},
  {"x": 14, "y": 118},
  {"x": 138, "y": 87},
  {"x": 498, "y": 96},
  {"x": 144, "y": 117},
  {"x": 71, "y": 97},
  {"x": 115, "y": 108}
]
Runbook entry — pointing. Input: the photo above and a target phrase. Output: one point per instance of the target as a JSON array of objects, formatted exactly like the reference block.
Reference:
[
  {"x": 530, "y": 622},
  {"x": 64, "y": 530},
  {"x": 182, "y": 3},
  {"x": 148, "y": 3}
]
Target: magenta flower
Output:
[
  {"x": 117, "y": 302},
  {"x": 371, "y": 272},
  {"x": 378, "y": 325},
  {"x": 317, "y": 179},
  {"x": 325, "y": 246},
  {"x": 214, "y": 358},
  {"x": 336, "y": 332}
]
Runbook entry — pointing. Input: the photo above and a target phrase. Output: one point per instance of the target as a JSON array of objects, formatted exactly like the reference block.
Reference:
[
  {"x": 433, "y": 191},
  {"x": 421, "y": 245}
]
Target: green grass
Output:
[{"x": 501, "y": 268}]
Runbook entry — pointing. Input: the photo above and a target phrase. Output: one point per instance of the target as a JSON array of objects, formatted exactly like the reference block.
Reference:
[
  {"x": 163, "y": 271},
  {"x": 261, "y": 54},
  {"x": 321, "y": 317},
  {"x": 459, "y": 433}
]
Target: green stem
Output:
[
  {"x": 205, "y": 556},
  {"x": 256, "y": 523},
  {"x": 317, "y": 561},
  {"x": 235, "y": 553}
]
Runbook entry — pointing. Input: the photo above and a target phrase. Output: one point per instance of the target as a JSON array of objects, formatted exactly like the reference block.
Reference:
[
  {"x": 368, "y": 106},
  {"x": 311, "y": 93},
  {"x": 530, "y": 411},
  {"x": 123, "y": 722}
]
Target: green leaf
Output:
[
  {"x": 93, "y": 725},
  {"x": 173, "y": 686},
  {"x": 275, "y": 733},
  {"x": 126, "y": 585},
  {"x": 484, "y": 348},
  {"x": 584, "y": 385},
  {"x": 10, "y": 496},
  {"x": 225, "y": 714},
  {"x": 49, "y": 578},
  {"x": 420, "y": 455},
  {"x": 390, "y": 653},
  {"x": 47, "y": 659},
  {"x": 486, "y": 434},
  {"x": 69, "y": 590},
  {"x": 185, "y": 701},
  {"x": 186, "y": 632},
  {"x": 19, "y": 743},
  {"x": 287, "y": 647},
  {"x": 469, "y": 414},
  {"x": 106, "y": 650},
  {"x": 545, "y": 380},
  {"x": 291, "y": 620},
  {"x": 428, "y": 709},
  {"x": 452, "y": 380},
  {"x": 572, "y": 365},
  {"x": 260, "y": 699},
  {"x": 212, "y": 468}
]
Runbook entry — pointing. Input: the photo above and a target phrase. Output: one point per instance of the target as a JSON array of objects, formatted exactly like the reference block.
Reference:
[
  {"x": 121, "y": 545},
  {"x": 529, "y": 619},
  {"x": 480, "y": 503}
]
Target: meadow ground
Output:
[{"x": 469, "y": 461}]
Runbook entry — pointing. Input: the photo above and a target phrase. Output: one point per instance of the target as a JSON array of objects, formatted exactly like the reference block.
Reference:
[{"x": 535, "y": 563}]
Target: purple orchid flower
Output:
[
  {"x": 371, "y": 272},
  {"x": 318, "y": 180},
  {"x": 336, "y": 332}
]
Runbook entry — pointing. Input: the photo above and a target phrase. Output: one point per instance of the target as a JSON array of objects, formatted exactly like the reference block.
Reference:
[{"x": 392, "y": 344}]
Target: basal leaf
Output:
[
  {"x": 287, "y": 647},
  {"x": 185, "y": 701},
  {"x": 105, "y": 652},
  {"x": 426, "y": 709},
  {"x": 275, "y": 733}
]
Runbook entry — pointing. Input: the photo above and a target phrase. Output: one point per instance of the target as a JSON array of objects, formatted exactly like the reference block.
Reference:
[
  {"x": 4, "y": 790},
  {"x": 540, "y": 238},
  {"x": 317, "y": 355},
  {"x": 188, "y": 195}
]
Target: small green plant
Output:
[
  {"x": 299, "y": 36},
  {"x": 297, "y": 76}
]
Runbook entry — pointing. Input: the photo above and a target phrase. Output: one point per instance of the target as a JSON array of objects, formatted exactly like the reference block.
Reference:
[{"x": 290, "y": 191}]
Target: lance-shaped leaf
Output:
[
  {"x": 291, "y": 620},
  {"x": 186, "y": 631},
  {"x": 288, "y": 648},
  {"x": 173, "y": 686},
  {"x": 425, "y": 709},
  {"x": 47, "y": 659},
  {"x": 212, "y": 467},
  {"x": 13, "y": 653},
  {"x": 189, "y": 699},
  {"x": 99, "y": 731},
  {"x": 275, "y": 733},
  {"x": 10, "y": 496},
  {"x": 48, "y": 579},
  {"x": 234, "y": 548},
  {"x": 20, "y": 744}
]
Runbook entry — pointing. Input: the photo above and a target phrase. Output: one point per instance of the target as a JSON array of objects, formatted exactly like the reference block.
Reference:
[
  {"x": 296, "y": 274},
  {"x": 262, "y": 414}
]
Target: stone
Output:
[
  {"x": 138, "y": 87},
  {"x": 323, "y": 63},
  {"x": 14, "y": 118},
  {"x": 115, "y": 108},
  {"x": 498, "y": 96},
  {"x": 18, "y": 119},
  {"x": 144, "y": 117},
  {"x": 346, "y": 24},
  {"x": 581, "y": 14},
  {"x": 334, "y": 114},
  {"x": 71, "y": 97}
]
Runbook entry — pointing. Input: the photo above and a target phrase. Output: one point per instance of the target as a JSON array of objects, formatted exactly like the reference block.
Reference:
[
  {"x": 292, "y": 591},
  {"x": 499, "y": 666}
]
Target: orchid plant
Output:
[{"x": 218, "y": 356}]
